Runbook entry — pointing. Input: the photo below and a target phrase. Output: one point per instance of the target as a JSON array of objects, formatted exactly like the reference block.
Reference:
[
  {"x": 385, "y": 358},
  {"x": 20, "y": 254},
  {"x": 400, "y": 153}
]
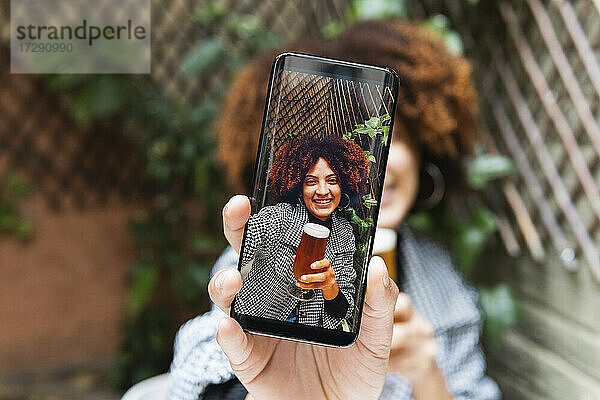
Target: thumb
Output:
[
  {"x": 378, "y": 310},
  {"x": 236, "y": 345},
  {"x": 247, "y": 355}
]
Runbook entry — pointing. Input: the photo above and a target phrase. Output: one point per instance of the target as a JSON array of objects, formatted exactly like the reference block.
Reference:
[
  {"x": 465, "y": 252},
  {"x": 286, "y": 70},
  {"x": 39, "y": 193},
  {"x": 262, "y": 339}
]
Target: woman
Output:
[
  {"x": 434, "y": 351},
  {"x": 309, "y": 177}
]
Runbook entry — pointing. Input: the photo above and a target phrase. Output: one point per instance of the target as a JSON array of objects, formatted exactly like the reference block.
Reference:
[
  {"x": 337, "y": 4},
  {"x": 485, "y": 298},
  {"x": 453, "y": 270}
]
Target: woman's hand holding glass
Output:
[
  {"x": 262, "y": 363},
  {"x": 413, "y": 352},
  {"x": 324, "y": 279}
]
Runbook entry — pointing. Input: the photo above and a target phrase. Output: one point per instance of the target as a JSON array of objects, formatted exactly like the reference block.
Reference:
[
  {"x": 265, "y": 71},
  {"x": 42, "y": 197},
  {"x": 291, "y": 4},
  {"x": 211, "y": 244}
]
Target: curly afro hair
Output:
[
  {"x": 295, "y": 158},
  {"x": 436, "y": 107}
]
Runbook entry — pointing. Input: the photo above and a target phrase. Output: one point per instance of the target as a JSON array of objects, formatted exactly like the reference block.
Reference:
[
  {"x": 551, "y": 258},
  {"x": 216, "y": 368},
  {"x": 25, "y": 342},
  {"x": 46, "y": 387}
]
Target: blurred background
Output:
[{"x": 110, "y": 194}]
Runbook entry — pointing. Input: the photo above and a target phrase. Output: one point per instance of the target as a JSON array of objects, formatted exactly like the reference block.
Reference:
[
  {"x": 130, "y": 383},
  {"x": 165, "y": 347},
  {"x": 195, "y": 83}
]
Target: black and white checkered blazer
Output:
[{"x": 272, "y": 238}]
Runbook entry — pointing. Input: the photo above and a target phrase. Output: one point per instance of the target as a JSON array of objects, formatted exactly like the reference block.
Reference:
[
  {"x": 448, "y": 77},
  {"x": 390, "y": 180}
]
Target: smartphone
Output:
[{"x": 318, "y": 178}]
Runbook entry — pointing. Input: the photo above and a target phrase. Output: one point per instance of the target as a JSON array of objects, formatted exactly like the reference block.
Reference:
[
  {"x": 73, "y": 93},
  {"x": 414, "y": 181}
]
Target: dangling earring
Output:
[
  {"x": 347, "y": 204},
  {"x": 432, "y": 187}
]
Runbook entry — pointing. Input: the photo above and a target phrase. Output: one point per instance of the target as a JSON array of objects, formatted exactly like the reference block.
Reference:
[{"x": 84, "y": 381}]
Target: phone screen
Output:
[{"x": 318, "y": 180}]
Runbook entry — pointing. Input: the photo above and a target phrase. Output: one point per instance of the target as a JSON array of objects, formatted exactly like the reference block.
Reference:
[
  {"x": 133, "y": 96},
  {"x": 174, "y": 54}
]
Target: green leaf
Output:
[
  {"x": 8, "y": 221},
  {"x": 99, "y": 98},
  {"x": 203, "y": 243},
  {"x": 16, "y": 186},
  {"x": 160, "y": 170},
  {"x": 438, "y": 23},
  {"x": 144, "y": 280},
  {"x": 210, "y": 13},
  {"x": 372, "y": 123},
  {"x": 369, "y": 201},
  {"x": 245, "y": 26},
  {"x": 386, "y": 133},
  {"x": 354, "y": 218},
  {"x": 204, "y": 55},
  {"x": 421, "y": 221},
  {"x": 454, "y": 43},
  {"x": 65, "y": 81},
  {"x": 362, "y": 251},
  {"x": 363, "y": 130},
  {"x": 500, "y": 310},
  {"x": 471, "y": 237},
  {"x": 332, "y": 29},
  {"x": 369, "y": 156},
  {"x": 377, "y": 9},
  {"x": 485, "y": 220},
  {"x": 487, "y": 167}
]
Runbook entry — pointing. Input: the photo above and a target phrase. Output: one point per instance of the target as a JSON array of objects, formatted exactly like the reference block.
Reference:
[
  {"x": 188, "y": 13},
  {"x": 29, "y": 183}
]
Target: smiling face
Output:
[{"x": 321, "y": 190}]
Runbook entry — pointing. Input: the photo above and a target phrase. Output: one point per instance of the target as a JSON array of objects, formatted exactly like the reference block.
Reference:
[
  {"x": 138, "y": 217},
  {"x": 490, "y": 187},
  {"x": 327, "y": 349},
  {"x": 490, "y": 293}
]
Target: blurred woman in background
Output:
[{"x": 435, "y": 351}]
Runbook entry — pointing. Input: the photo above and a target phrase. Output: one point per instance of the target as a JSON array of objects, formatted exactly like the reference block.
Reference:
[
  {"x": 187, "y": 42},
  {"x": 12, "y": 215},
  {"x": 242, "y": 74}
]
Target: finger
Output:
[
  {"x": 319, "y": 285},
  {"x": 403, "y": 310},
  {"x": 313, "y": 278},
  {"x": 408, "y": 334},
  {"x": 324, "y": 263},
  {"x": 223, "y": 287},
  {"x": 236, "y": 345},
  {"x": 378, "y": 311},
  {"x": 235, "y": 215},
  {"x": 400, "y": 336}
]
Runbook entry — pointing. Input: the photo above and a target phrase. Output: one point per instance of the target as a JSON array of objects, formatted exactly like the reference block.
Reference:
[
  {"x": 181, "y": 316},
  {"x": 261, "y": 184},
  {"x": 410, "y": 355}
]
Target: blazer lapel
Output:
[{"x": 293, "y": 233}]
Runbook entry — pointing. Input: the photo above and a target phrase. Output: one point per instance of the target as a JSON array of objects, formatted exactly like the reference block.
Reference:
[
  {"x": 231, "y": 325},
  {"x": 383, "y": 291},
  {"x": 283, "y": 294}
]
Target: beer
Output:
[
  {"x": 385, "y": 247},
  {"x": 311, "y": 249}
]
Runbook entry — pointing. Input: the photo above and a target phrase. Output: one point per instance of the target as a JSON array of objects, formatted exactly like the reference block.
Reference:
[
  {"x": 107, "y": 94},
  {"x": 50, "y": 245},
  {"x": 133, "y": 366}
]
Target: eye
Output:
[
  {"x": 310, "y": 182},
  {"x": 332, "y": 180}
]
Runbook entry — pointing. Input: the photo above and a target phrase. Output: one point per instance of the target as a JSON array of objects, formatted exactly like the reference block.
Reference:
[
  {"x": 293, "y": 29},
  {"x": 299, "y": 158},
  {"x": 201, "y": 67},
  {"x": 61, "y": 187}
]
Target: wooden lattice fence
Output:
[
  {"x": 536, "y": 65},
  {"x": 70, "y": 163},
  {"x": 537, "y": 70}
]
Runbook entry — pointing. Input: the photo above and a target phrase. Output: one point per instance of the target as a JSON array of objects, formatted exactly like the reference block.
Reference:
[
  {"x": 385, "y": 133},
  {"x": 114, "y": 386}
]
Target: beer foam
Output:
[
  {"x": 316, "y": 230},
  {"x": 385, "y": 240}
]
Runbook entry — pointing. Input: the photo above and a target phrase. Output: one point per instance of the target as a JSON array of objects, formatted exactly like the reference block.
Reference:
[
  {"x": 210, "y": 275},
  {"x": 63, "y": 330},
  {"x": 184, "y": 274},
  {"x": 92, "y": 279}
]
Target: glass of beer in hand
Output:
[{"x": 311, "y": 249}]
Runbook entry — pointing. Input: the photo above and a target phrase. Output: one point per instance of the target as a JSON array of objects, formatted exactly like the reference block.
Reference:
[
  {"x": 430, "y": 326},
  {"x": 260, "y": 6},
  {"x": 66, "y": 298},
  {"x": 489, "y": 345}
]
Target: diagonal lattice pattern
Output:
[
  {"x": 539, "y": 83},
  {"x": 70, "y": 163}
]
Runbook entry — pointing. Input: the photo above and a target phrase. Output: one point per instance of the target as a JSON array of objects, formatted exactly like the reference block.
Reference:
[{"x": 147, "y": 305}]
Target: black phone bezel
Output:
[{"x": 323, "y": 66}]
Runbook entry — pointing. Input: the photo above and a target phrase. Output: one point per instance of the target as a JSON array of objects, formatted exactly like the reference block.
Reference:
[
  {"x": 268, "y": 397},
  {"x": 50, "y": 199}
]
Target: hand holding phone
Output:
[{"x": 262, "y": 363}]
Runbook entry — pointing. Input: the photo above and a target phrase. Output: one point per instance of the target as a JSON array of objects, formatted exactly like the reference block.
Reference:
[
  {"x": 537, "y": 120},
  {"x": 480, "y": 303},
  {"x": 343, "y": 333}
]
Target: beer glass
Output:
[
  {"x": 385, "y": 247},
  {"x": 311, "y": 249}
]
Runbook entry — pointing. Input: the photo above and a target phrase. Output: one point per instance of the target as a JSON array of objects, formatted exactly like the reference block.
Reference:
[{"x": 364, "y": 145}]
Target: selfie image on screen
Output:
[{"x": 319, "y": 175}]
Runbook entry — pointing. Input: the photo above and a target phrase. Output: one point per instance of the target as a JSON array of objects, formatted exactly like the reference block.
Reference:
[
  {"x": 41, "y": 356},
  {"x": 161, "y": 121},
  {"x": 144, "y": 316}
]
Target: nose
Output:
[{"x": 322, "y": 188}]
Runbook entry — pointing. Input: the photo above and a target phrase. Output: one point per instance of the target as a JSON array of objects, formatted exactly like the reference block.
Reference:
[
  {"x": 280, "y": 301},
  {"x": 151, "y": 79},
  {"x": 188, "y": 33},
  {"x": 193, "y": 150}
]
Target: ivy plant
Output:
[{"x": 178, "y": 236}]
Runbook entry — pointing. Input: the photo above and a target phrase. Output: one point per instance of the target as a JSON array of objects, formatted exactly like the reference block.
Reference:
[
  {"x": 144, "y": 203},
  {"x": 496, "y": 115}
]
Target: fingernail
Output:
[
  {"x": 313, "y": 265},
  {"x": 386, "y": 279},
  {"x": 303, "y": 277},
  {"x": 298, "y": 284},
  {"x": 220, "y": 281}
]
